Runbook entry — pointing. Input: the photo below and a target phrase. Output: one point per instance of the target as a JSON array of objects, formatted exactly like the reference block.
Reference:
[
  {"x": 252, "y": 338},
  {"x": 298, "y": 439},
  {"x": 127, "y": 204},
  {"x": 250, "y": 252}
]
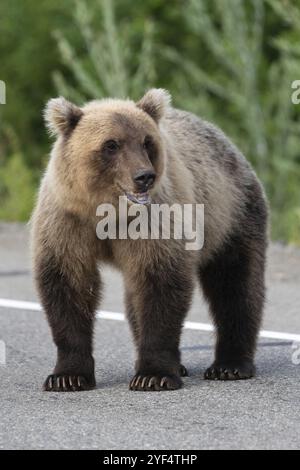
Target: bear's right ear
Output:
[{"x": 61, "y": 116}]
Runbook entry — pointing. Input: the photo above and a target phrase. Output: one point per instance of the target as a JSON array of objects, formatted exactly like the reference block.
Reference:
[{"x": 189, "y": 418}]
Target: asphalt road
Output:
[{"x": 262, "y": 413}]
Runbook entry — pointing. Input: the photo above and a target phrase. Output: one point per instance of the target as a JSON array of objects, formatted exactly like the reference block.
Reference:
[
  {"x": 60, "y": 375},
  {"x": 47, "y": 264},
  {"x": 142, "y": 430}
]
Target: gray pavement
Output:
[{"x": 262, "y": 413}]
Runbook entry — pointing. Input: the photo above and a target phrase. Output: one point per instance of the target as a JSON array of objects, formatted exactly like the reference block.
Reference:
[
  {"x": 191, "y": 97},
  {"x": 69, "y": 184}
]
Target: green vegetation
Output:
[
  {"x": 230, "y": 61},
  {"x": 17, "y": 189}
]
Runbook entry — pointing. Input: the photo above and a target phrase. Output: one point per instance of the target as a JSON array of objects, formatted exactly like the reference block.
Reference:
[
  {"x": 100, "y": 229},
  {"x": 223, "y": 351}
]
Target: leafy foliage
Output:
[
  {"x": 108, "y": 69},
  {"x": 17, "y": 189}
]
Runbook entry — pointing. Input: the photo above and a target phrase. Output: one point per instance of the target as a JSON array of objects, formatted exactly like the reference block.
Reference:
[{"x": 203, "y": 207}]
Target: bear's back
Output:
[{"x": 199, "y": 141}]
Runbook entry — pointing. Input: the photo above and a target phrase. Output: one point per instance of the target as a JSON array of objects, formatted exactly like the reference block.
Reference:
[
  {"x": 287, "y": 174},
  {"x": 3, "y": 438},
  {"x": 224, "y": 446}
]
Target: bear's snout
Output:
[{"x": 144, "y": 180}]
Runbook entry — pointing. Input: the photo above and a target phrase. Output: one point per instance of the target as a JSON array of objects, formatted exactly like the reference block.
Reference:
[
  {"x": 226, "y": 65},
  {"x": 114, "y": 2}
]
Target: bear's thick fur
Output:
[{"x": 109, "y": 148}]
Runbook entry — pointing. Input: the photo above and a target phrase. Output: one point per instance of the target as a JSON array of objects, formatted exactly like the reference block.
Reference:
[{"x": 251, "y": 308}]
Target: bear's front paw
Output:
[
  {"x": 230, "y": 371},
  {"x": 155, "y": 383},
  {"x": 68, "y": 383}
]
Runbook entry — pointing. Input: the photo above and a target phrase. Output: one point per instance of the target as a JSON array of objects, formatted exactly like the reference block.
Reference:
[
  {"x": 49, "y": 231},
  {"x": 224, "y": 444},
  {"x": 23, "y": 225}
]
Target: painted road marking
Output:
[{"x": 104, "y": 315}]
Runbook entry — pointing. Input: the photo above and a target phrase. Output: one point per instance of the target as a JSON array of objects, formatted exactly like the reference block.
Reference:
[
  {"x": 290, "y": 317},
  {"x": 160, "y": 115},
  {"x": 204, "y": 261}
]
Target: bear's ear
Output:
[
  {"x": 61, "y": 116},
  {"x": 155, "y": 103}
]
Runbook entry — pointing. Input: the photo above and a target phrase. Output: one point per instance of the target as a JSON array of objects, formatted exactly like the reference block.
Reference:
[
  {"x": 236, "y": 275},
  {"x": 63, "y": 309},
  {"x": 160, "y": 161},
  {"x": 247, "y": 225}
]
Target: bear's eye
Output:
[
  {"x": 111, "y": 146},
  {"x": 150, "y": 147},
  {"x": 147, "y": 144}
]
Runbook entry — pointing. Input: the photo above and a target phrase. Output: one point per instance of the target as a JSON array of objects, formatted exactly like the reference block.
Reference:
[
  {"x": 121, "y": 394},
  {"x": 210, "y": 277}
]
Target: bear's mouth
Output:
[{"x": 139, "y": 198}]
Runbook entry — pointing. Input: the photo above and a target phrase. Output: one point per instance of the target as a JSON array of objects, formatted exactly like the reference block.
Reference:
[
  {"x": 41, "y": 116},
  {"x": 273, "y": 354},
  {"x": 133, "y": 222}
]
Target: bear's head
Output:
[{"x": 108, "y": 148}]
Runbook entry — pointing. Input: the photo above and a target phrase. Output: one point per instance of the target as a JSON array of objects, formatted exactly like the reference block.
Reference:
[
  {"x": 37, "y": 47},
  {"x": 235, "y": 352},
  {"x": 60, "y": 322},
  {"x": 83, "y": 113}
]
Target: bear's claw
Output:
[
  {"x": 67, "y": 383},
  {"x": 183, "y": 371},
  {"x": 241, "y": 371},
  {"x": 148, "y": 383}
]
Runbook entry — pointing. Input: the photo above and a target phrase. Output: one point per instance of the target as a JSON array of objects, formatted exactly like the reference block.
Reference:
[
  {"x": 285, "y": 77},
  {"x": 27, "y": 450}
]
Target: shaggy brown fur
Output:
[{"x": 100, "y": 152}]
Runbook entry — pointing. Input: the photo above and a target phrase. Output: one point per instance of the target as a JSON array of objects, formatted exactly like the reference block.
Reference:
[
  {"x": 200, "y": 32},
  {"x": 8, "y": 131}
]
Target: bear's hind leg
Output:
[{"x": 233, "y": 284}]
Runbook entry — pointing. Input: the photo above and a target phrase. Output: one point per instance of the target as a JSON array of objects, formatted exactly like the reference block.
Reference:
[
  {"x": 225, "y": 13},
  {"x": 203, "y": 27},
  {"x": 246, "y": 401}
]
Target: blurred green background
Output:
[{"x": 229, "y": 61}]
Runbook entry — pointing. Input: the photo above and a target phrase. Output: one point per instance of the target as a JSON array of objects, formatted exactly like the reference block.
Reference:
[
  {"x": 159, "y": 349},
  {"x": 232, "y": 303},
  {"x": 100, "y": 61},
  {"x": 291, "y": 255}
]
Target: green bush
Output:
[{"x": 17, "y": 189}]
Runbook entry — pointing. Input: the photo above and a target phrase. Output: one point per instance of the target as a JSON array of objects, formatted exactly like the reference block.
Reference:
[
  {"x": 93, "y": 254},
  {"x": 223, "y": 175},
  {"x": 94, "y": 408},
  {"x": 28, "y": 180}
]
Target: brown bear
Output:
[{"x": 110, "y": 148}]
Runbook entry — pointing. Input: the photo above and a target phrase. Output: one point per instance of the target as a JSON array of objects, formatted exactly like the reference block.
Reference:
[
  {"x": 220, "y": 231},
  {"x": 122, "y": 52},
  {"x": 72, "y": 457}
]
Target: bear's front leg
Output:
[
  {"x": 163, "y": 296},
  {"x": 70, "y": 310},
  {"x": 68, "y": 283}
]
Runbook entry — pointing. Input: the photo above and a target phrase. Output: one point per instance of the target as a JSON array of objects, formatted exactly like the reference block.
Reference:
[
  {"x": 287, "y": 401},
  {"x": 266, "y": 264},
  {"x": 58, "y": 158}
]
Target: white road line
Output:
[
  {"x": 104, "y": 315},
  {"x": 20, "y": 304}
]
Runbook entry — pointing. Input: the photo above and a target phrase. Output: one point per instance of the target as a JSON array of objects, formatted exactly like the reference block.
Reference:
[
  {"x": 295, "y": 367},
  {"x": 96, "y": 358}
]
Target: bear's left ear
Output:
[
  {"x": 155, "y": 102},
  {"x": 61, "y": 116}
]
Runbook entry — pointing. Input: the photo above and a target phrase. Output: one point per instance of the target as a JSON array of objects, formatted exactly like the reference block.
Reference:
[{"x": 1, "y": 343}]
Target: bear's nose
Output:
[{"x": 144, "y": 179}]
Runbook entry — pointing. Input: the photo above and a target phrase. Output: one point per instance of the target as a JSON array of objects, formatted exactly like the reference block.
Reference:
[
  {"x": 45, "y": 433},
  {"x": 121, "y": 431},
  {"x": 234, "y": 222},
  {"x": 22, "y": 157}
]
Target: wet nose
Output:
[{"x": 144, "y": 179}]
